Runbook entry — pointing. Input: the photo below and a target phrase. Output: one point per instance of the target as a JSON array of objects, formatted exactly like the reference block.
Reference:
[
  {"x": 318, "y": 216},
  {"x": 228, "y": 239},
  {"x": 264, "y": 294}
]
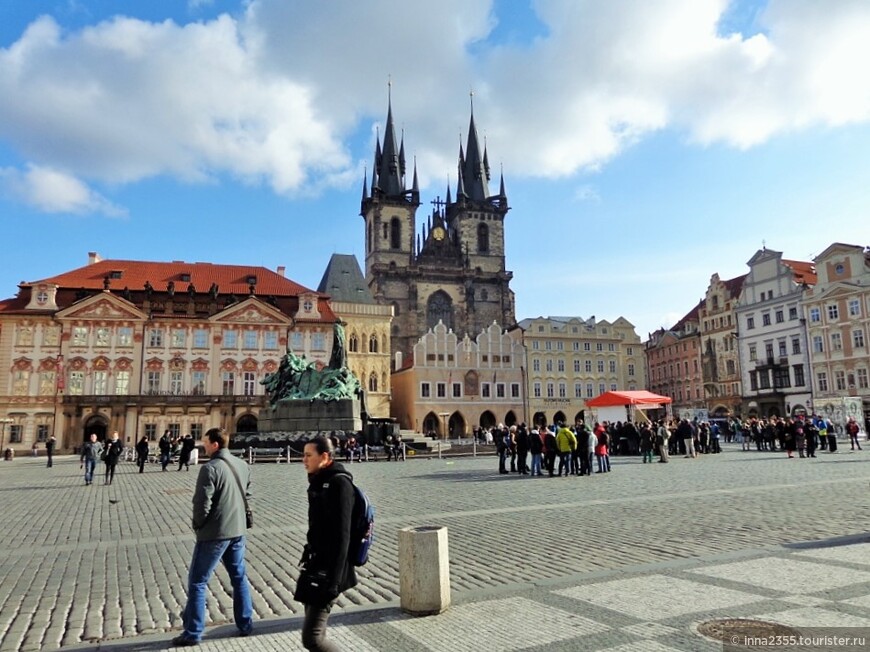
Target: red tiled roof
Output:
[
  {"x": 133, "y": 274},
  {"x": 804, "y": 272},
  {"x": 735, "y": 285},
  {"x": 231, "y": 279},
  {"x": 691, "y": 316}
]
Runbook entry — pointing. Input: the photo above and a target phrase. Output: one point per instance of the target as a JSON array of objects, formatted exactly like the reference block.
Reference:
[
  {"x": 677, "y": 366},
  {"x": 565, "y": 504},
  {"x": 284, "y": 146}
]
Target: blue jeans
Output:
[
  {"x": 206, "y": 555},
  {"x": 90, "y": 465},
  {"x": 536, "y": 464}
]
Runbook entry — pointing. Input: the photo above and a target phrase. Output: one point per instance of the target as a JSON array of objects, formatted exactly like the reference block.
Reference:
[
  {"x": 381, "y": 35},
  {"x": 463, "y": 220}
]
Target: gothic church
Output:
[{"x": 453, "y": 270}]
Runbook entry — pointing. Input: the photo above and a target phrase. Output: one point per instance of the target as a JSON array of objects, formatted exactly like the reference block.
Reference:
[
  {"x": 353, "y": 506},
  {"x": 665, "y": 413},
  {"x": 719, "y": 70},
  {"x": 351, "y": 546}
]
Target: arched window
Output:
[
  {"x": 484, "y": 295},
  {"x": 482, "y": 238},
  {"x": 353, "y": 343},
  {"x": 395, "y": 233},
  {"x": 373, "y": 382},
  {"x": 373, "y": 344},
  {"x": 439, "y": 308},
  {"x": 369, "y": 237}
]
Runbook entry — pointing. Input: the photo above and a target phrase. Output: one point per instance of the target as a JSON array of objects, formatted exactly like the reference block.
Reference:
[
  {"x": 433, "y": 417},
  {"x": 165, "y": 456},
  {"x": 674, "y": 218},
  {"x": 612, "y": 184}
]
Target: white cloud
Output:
[
  {"x": 272, "y": 95},
  {"x": 53, "y": 191}
]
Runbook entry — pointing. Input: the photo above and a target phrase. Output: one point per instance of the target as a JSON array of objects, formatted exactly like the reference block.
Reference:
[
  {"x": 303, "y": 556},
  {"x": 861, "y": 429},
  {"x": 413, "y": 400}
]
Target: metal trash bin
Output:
[{"x": 424, "y": 570}]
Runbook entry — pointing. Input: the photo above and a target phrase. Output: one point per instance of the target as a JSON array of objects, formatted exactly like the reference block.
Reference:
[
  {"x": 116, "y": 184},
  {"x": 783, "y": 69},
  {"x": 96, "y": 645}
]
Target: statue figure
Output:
[
  {"x": 191, "y": 291},
  {"x": 338, "y": 359},
  {"x": 297, "y": 378},
  {"x": 170, "y": 288}
]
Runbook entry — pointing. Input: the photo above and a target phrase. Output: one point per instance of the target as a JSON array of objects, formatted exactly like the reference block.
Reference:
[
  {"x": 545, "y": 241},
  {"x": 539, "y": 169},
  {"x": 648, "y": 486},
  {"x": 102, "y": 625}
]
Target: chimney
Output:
[
  {"x": 93, "y": 257},
  {"x": 281, "y": 270}
]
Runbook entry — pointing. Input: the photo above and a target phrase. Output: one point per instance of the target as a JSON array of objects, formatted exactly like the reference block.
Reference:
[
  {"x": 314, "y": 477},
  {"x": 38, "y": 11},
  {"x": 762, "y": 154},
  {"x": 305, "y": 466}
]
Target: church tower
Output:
[{"x": 453, "y": 270}]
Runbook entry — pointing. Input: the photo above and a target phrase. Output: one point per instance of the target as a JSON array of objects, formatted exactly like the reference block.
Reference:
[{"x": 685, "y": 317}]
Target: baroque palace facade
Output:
[{"x": 142, "y": 347}]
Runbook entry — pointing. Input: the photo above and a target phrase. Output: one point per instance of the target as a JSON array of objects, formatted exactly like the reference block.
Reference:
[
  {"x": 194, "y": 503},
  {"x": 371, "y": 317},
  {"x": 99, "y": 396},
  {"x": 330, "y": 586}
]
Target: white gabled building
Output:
[{"x": 774, "y": 360}]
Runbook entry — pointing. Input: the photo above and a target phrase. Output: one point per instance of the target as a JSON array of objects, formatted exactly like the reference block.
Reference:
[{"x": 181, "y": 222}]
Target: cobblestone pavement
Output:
[{"x": 629, "y": 560}]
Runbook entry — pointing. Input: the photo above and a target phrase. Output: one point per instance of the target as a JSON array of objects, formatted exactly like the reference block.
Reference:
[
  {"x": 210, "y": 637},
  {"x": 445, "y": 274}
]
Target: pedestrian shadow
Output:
[
  {"x": 833, "y": 542},
  {"x": 19, "y": 488}
]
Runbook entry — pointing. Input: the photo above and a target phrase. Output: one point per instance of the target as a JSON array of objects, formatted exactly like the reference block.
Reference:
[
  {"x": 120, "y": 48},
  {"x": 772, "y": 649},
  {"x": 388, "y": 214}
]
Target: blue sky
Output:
[{"x": 645, "y": 146}]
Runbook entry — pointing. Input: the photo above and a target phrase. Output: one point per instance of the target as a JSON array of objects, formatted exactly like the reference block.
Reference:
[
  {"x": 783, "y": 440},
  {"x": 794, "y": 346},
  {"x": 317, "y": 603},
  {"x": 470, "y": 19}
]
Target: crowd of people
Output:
[
  {"x": 578, "y": 448},
  {"x": 534, "y": 451}
]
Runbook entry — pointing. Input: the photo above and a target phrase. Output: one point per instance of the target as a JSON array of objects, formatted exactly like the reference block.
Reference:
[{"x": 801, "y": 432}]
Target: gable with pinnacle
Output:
[{"x": 251, "y": 311}]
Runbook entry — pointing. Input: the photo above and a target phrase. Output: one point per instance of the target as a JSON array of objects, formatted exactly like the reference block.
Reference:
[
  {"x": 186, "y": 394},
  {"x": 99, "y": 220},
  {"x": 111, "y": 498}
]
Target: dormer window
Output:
[
  {"x": 115, "y": 273},
  {"x": 185, "y": 278},
  {"x": 251, "y": 280},
  {"x": 307, "y": 305}
]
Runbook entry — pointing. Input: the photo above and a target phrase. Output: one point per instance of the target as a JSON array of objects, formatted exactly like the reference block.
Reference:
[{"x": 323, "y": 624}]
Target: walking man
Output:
[
  {"x": 90, "y": 454},
  {"x": 222, "y": 488},
  {"x": 852, "y": 429},
  {"x": 49, "y": 449},
  {"x": 165, "y": 446}
]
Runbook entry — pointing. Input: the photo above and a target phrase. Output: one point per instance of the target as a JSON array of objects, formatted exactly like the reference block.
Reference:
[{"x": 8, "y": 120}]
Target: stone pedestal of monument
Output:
[{"x": 311, "y": 415}]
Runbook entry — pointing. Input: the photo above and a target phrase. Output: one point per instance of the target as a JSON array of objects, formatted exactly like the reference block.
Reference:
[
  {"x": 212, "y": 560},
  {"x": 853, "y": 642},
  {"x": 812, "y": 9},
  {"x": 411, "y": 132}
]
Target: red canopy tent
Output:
[
  {"x": 638, "y": 398},
  {"x": 619, "y": 406}
]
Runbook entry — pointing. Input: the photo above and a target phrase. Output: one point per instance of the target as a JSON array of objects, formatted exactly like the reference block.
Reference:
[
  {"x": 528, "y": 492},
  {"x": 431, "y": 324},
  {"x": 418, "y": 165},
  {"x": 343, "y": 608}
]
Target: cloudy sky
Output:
[{"x": 645, "y": 145}]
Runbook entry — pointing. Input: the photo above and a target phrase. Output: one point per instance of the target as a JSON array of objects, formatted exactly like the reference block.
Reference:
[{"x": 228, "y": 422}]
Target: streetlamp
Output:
[{"x": 3, "y": 423}]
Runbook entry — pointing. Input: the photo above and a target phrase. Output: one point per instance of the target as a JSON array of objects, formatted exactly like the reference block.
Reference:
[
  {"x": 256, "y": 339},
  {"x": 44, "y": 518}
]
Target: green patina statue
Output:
[{"x": 297, "y": 378}]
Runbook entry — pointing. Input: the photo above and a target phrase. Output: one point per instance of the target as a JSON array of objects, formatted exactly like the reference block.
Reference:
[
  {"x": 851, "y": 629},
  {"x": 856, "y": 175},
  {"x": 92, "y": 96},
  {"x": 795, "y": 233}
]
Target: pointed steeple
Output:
[
  {"x": 389, "y": 166},
  {"x": 501, "y": 192},
  {"x": 402, "y": 156},
  {"x": 460, "y": 186},
  {"x": 365, "y": 187},
  {"x": 449, "y": 200},
  {"x": 415, "y": 187},
  {"x": 475, "y": 167}
]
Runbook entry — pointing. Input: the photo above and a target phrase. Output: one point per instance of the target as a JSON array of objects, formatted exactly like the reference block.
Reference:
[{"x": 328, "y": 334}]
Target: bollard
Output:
[
  {"x": 439, "y": 450},
  {"x": 474, "y": 446},
  {"x": 194, "y": 456},
  {"x": 288, "y": 455},
  {"x": 250, "y": 455},
  {"x": 424, "y": 570}
]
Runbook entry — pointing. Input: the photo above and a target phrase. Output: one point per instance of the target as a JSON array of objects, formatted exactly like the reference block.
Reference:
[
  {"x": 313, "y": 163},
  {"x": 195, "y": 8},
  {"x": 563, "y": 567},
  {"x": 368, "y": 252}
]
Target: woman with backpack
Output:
[{"x": 326, "y": 557}]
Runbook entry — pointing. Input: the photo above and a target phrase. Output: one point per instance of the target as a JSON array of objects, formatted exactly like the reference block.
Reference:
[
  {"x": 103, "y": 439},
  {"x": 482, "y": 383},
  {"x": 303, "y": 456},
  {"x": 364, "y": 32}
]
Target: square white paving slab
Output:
[
  {"x": 501, "y": 625},
  {"x": 863, "y": 601},
  {"x": 641, "y": 646},
  {"x": 650, "y": 630},
  {"x": 341, "y": 635},
  {"x": 814, "y": 617},
  {"x": 854, "y": 554},
  {"x": 789, "y": 575},
  {"x": 657, "y": 597}
]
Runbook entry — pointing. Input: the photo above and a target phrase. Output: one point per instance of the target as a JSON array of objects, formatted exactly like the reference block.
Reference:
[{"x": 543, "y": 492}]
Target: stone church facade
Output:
[{"x": 453, "y": 269}]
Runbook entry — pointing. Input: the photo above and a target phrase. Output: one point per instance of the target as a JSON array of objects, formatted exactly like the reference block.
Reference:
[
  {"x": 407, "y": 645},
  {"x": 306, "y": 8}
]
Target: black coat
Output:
[
  {"x": 114, "y": 448},
  {"x": 330, "y": 510}
]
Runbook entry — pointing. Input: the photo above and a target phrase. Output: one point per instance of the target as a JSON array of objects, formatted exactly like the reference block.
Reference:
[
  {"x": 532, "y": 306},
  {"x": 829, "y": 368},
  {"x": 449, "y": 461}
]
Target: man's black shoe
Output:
[{"x": 184, "y": 641}]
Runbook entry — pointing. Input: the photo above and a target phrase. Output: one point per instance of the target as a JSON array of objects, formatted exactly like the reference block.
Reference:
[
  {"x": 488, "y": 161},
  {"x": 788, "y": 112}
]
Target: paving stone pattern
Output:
[{"x": 84, "y": 564}]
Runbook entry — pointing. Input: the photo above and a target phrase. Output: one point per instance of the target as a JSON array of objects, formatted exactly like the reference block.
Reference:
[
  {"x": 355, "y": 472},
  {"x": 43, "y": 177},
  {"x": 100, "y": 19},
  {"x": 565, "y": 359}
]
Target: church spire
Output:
[
  {"x": 475, "y": 167},
  {"x": 390, "y": 167}
]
